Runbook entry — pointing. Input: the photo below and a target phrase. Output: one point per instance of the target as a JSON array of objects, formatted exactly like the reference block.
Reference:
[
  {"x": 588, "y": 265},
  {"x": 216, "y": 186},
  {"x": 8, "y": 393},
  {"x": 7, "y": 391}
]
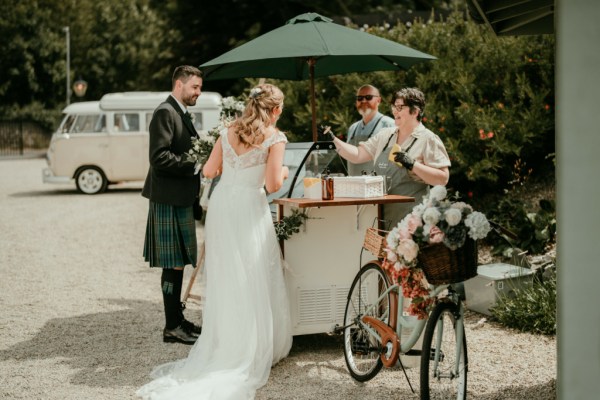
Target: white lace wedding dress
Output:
[{"x": 246, "y": 323}]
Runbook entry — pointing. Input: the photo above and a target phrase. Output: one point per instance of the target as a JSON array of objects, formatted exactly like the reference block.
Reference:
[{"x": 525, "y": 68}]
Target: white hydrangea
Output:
[
  {"x": 392, "y": 238},
  {"x": 438, "y": 192},
  {"x": 478, "y": 225},
  {"x": 431, "y": 216}
]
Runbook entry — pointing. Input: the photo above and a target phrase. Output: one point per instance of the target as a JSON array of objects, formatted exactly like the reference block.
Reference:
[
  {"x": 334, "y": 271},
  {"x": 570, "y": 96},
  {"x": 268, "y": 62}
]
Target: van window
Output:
[
  {"x": 148, "y": 120},
  {"x": 127, "y": 122},
  {"x": 197, "y": 120},
  {"x": 85, "y": 124}
]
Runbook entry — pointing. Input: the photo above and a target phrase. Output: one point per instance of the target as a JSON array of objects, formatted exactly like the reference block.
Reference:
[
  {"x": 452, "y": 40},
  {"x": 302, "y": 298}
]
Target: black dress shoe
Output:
[
  {"x": 191, "y": 328},
  {"x": 178, "y": 335}
]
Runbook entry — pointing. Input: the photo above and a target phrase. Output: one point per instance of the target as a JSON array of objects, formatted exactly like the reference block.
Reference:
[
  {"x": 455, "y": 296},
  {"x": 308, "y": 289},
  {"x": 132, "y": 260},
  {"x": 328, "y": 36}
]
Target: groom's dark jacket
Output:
[{"x": 171, "y": 178}]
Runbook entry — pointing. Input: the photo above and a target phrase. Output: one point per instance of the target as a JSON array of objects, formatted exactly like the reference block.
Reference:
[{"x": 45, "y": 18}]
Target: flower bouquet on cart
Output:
[
  {"x": 434, "y": 244},
  {"x": 203, "y": 144}
]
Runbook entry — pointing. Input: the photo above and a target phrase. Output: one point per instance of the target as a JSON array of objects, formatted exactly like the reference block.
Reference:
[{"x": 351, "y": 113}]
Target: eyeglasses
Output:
[
  {"x": 367, "y": 97},
  {"x": 398, "y": 108}
]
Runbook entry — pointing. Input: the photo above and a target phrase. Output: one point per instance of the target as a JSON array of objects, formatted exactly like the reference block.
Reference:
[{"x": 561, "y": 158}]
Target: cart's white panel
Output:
[{"x": 324, "y": 257}]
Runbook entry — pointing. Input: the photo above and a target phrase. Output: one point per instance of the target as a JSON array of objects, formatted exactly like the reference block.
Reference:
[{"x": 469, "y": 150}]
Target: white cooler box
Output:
[{"x": 492, "y": 282}]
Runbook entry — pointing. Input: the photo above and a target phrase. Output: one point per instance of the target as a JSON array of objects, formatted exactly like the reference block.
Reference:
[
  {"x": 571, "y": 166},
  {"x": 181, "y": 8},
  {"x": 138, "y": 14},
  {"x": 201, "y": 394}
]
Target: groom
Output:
[{"x": 172, "y": 185}]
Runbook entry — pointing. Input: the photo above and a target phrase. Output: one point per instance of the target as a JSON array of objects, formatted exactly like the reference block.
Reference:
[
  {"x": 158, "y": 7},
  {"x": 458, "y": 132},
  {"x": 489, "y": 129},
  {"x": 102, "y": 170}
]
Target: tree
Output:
[{"x": 116, "y": 45}]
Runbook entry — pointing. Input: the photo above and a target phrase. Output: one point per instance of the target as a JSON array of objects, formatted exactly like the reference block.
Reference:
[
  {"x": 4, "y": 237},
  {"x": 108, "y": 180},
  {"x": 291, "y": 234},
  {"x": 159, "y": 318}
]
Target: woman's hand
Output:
[
  {"x": 285, "y": 172},
  {"x": 403, "y": 158}
]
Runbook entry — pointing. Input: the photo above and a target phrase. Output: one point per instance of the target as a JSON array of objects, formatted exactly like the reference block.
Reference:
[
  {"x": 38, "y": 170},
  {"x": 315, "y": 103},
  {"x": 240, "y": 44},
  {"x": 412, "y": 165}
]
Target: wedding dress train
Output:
[{"x": 246, "y": 322}]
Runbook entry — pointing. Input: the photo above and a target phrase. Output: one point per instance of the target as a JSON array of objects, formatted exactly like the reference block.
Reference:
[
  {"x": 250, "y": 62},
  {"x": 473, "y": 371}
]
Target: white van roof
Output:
[
  {"x": 83, "y": 107},
  {"x": 151, "y": 100}
]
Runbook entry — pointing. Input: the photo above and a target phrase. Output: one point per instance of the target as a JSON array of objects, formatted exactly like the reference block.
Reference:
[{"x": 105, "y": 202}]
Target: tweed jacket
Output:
[{"x": 171, "y": 178}]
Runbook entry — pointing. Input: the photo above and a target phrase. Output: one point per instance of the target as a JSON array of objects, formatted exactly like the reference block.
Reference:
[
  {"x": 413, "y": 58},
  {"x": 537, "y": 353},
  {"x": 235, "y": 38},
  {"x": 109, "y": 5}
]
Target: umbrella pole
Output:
[{"x": 311, "y": 71}]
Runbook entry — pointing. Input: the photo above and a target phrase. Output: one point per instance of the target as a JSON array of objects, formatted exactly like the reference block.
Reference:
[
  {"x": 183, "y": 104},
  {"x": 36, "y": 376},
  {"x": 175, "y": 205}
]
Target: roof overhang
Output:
[{"x": 514, "y": 17}]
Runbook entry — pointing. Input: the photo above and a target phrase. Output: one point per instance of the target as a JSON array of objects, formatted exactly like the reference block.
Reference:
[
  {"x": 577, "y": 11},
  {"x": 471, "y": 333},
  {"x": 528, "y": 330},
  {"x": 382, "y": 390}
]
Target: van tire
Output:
[{"x": 90, "y": 180}]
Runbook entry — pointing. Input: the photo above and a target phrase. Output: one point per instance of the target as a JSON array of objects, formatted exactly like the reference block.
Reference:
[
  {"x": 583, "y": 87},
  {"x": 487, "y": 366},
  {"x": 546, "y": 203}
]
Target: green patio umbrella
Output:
[{"x": 309, "y": 46}]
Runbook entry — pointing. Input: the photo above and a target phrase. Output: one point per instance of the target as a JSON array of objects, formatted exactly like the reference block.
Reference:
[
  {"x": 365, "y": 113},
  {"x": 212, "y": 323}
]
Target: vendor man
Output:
[{"x": 367, "y": 105}]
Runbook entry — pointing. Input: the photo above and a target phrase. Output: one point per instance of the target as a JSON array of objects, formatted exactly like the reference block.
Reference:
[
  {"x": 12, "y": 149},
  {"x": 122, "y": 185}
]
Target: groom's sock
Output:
[{"x": 171, "y": 282}]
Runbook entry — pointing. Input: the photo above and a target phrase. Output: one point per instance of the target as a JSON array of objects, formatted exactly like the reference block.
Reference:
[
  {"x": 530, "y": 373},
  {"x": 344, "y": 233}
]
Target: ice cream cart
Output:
[{"x": 323, "y": 258}]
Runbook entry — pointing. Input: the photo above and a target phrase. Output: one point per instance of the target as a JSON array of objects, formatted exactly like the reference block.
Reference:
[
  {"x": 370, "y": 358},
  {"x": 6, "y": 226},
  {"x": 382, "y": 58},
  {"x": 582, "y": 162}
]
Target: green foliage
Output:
[
  {"x": 530, "y": 309},
  {"x": 290, "y": 224},
  {"x": 32, "y": 65},
  {"x": 530, "y": 215}
]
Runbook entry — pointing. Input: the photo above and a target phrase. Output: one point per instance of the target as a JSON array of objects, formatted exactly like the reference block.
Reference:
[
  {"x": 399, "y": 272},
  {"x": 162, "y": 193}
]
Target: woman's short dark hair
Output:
[
  {"x": 413, "y": 98},
  {"x": 183, "y": 73}
]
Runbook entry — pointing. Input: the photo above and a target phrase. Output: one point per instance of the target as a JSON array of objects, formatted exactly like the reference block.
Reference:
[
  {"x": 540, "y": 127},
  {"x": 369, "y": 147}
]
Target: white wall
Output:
[{"x": 578, "y": 196}]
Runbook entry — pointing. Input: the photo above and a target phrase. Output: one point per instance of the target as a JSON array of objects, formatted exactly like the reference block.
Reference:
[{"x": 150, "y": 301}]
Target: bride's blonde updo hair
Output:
[{"x": 257, "y": 115}]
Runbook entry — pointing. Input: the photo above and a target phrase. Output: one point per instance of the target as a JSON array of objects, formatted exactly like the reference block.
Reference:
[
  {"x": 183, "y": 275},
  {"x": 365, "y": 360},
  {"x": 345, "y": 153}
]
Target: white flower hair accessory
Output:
[{"x": 255, "y": 93}]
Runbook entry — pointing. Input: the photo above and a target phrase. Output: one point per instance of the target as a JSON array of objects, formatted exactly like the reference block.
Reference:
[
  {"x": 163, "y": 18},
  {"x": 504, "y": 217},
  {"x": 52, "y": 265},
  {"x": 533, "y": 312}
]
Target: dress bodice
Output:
[{"x": 248, "y": 169}]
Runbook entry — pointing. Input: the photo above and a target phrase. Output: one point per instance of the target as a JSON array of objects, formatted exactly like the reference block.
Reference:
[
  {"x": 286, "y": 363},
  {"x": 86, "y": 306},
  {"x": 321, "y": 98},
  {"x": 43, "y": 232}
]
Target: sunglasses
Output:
[{"x": 367, "y": 97}]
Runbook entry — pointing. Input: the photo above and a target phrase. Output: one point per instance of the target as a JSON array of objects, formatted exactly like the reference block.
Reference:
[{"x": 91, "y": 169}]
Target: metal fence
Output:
[{"x": 21, "y": 137}]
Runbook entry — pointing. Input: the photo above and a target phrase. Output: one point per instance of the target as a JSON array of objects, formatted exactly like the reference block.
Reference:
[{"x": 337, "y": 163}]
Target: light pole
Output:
[{"x": 68, "y": 37}]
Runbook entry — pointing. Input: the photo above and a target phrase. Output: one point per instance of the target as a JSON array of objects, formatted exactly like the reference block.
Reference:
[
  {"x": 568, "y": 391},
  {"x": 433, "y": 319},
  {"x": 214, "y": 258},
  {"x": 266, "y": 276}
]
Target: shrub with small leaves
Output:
[{"x": 530, "y": 309}]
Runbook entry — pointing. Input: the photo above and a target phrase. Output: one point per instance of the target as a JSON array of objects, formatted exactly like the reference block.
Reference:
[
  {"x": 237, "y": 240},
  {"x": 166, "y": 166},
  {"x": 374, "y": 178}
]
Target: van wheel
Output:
[{"x": 91, "y": 180}]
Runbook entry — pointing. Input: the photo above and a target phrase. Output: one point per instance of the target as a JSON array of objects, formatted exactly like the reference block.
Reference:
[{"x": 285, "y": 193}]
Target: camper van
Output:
[{"x": 103, "y": 142}]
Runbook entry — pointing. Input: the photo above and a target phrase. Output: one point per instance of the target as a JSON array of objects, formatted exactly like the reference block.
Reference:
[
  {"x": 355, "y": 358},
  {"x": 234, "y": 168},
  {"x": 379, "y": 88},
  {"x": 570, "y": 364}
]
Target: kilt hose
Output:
[{"x": 170, "y": 236}]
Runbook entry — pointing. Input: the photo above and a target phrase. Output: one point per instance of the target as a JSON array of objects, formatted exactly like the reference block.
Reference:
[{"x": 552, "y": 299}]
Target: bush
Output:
[{"x": 531, "y": 309}]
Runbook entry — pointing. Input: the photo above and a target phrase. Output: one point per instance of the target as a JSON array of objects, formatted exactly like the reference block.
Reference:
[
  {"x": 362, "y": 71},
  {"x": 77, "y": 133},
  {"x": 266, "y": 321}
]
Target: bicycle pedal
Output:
[{"x": 413, "y": 352}]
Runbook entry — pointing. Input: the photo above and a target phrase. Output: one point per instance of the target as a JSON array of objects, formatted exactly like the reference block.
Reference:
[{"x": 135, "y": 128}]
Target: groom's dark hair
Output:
[{"x": 183, "y": 73}]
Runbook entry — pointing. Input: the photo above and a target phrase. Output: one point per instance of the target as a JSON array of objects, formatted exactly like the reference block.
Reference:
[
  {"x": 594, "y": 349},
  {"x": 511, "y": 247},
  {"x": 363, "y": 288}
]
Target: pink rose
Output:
[
  {"x": 436, "y": 235},
  {"x": 408, "y": 249},
  {"x": 413, "y": 223},
  {"x": 404, "y": 234}
]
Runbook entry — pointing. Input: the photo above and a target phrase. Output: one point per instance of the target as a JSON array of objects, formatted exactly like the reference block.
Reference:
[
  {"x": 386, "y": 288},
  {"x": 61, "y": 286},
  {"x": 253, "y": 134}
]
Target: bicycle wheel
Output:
[
  {"x": 443, "y": 368},
  {"x": 361, "y": 349}
]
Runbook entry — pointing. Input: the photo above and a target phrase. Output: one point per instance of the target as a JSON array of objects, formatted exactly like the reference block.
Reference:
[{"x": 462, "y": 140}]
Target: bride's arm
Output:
[
  {"x": 276, "y": 172},
  {"x": 214, "y": 164}
]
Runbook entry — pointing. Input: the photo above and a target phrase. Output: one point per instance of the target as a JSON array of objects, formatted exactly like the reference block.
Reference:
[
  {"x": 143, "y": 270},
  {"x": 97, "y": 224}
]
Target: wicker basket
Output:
[
  {"x": 442, "y": 265},
  {"x": 375, "y": 241},
  {"x": 358, "y": 186}
]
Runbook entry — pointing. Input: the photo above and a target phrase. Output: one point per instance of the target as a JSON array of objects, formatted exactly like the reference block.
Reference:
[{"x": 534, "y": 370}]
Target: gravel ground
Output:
[{"x": 81, "y": 312}]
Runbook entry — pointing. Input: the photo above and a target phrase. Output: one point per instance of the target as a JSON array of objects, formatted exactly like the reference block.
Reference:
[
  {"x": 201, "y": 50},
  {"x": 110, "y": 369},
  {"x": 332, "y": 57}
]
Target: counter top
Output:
[{"x": 343, "y": 201}]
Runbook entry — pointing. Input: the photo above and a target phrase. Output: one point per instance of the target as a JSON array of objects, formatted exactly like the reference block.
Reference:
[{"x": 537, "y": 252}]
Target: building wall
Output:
[{"x": 578, "y": 196}]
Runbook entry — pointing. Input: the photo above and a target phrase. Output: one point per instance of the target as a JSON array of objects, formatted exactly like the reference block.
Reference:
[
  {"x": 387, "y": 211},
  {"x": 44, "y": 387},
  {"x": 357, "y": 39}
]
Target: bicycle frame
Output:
[{"x": 404, "y": 322}]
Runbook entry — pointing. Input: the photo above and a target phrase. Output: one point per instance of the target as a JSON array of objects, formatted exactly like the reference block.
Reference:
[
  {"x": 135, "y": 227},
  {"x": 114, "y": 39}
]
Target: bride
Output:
[{"x": 246, "y": 323}]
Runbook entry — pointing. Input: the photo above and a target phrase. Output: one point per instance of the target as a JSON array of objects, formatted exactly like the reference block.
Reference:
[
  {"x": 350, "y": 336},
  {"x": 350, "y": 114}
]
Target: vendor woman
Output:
[{"x": 418, "y": 160}]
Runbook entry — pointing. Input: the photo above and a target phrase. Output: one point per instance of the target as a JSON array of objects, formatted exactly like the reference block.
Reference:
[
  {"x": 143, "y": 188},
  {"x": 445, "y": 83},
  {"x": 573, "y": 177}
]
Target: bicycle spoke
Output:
[
  {"x": 361, "y": 347},
  {"x": 444, "y": 359}
]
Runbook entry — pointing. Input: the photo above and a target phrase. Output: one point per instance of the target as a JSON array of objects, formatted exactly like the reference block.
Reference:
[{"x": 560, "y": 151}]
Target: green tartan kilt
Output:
[{"x": 170, "y": 236}]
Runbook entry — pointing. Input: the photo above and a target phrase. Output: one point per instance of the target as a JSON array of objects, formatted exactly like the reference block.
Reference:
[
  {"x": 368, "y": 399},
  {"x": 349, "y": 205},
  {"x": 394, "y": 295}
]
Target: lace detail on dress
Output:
[{"x": 252, "y": 158}]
